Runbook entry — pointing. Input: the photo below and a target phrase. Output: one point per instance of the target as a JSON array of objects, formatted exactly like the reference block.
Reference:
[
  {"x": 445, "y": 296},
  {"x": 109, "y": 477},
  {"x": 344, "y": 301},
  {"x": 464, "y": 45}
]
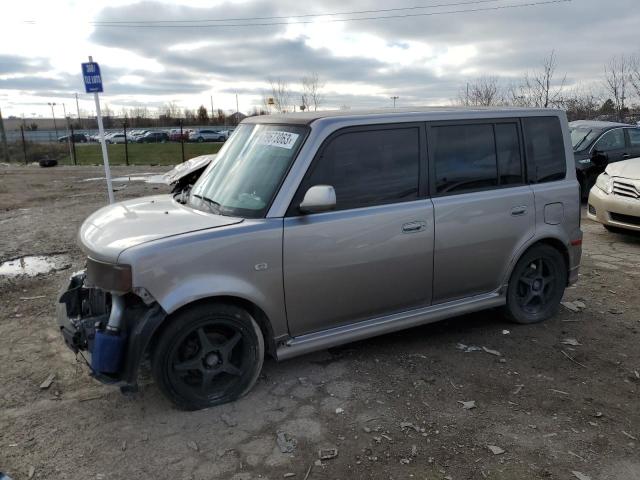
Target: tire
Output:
[
  {"x": 200, "y": 139},
  {"x": 536, "y": 285},
  {"x": 219, "y": 351}
]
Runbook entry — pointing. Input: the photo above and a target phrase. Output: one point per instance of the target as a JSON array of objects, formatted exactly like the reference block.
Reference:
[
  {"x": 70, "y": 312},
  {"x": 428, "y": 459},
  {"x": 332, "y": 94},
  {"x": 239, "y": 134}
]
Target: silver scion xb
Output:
[{"x": 317, "y": 229}]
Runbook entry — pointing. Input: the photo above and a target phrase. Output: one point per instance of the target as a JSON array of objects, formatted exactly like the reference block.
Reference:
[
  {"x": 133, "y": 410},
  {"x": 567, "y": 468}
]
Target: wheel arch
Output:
[
  {"x": 254, "y": 310},
  {"x": 553, "y": 242}
]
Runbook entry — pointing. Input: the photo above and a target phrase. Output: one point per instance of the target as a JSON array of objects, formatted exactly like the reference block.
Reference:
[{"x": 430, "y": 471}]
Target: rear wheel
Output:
[
  {"x": 200, "y": 139},
  {"x": 536, "y": 285},
  {"x": 209, "y": 355}
]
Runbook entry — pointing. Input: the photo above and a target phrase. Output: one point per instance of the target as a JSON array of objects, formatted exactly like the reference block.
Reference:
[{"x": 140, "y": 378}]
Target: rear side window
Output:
[
  {"x": 634, "y": 137},
  {"x": 465, "y": 158},
  {"x": 369, "y": 168},
  {"x": 545, "y": 149},
  {"x": 612, "y": 140},
  {"x": 508, "y": 148}
]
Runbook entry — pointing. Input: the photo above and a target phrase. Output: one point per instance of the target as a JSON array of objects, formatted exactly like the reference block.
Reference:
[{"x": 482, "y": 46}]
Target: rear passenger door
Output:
[
  {"x": 483, "y": 208},
  {"x": 373, "y": 254},
  {"x": 613, "y": 145}
]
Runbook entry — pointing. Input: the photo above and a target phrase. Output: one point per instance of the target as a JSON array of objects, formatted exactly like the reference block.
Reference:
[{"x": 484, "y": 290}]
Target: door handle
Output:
[
  {"x": 517, "y": 211},
  {"x": 626, "y": 155},
  {"x": 413, "y": 227}
]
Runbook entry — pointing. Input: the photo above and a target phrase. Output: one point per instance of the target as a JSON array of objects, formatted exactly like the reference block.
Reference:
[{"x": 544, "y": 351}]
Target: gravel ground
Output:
[{"x": 560, "y": 401}]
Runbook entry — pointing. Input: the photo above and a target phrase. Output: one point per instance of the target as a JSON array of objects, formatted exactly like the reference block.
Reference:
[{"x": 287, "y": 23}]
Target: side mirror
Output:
[
  {"x": 319, "y": 198},
  {"x": 599, "y": 158}
]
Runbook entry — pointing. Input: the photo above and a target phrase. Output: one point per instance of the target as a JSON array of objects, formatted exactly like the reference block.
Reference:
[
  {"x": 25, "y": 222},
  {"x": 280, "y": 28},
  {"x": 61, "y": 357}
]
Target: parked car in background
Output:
[
  {"x": 206, "y": 135},
  {"x": 135, "y": 134},
  {"x": 153, "y": 137},
  {"x": 176, "y": 136},
  {"x": 308, "y": 232},
  {"x": 76, "y": 138},
  {"x": 614, "y": 201},
  {"x": 597, "y": 144},
  {"x": 115, "y": 138}
]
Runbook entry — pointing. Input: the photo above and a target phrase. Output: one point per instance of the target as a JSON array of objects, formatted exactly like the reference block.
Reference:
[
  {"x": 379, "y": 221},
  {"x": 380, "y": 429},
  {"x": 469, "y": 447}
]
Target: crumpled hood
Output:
[
  {"x": 626, "y": 169},
  {"x": 114, "y": 228}
]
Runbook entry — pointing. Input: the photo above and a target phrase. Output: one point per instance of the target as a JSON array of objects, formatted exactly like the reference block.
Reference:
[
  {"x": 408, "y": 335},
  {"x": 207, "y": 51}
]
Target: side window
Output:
[
  {"x": 612, "y": 140},
  {"x": 369, "y": 168},
  {"x": 634, "y": 137},
  {"x": 464, "y": 158},
  {"x": 545, "y": 149},
  {"x": 508, "y": 148}
]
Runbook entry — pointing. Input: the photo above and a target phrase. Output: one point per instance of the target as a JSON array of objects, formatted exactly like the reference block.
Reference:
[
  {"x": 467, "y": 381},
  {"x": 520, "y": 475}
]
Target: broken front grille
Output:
[{"x": 626, "y": 188}]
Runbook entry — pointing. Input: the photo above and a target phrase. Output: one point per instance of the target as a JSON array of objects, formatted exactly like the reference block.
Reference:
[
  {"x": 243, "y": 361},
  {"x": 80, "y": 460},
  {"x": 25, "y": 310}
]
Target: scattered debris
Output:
[
  {"x": 228, "y": 420},
  {"x": 558, "y": 391},
  {"x": 570, "y": 306},
  {"x": 598, "y": 414},
  {"x": 327, "y": 453},
  {"x": 576, "y": 455},
  {"x": 573, "y": 359},
  {"x": 628, "y": 435},
  {"x": 579, "y": 304},
  {"x": 495, "y": 450},
  {"x": 193, "y": 446},
  {"x": 289, "y": 475},
  {"x": 468, "y": 405},
  {"x": 404, "y": 425},
  {"x": 570, "y": 341},
  {"x": 48, "y": 381},
  {"x": 468, "y": 348},
  {"x": 123, "y": 446},
  {"x": 506, "y": 332},
  {"x": 580, "y": 475},
  {"x": 549, "y": 435},
  {"x": 339, "y": 410},
  {"x": 306, "y": 475},
  {"x": 33, "y": 298},
  {"x": 286, "y": 443},
  {"x": 32, "y": 471},
  {"x": 616, "y": 311},
  {"x": 517, "y": 390},
  {"x": 492, "y": 352},
  {"x": 414, "y": 450}
]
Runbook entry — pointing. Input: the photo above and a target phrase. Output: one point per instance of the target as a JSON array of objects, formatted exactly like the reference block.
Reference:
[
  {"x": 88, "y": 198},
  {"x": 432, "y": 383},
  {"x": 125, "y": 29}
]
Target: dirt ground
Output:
[{"x": 391, "y": 405}]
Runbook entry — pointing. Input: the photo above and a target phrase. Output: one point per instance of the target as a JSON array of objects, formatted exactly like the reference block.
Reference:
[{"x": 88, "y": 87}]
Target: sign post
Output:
[{"x": 93, "y": 84}]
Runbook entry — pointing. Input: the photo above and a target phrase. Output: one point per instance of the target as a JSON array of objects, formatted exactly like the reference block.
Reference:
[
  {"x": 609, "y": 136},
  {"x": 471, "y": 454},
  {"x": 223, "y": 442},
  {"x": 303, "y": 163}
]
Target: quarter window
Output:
[
  {"x": 508, "y": 148},
  {"x": 545, "y": 149},
  {"x": 612, "y": 140},
  {"x": 369, "y": 168}
]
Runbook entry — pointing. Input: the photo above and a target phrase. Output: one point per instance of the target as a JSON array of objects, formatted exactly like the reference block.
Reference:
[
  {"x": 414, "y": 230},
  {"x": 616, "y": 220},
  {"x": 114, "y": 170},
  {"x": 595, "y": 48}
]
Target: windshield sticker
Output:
[{"x": 278, "y": 139}]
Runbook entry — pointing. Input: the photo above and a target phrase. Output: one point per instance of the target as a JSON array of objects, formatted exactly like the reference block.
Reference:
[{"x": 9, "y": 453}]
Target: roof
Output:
[
  {"x": 306, "y": 118},
  {"x": 597, "y": 124}
]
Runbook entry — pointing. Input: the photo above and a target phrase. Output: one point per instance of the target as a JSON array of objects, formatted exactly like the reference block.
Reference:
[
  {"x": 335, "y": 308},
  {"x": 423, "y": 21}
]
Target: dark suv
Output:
[{"x": 596, "y": 144}]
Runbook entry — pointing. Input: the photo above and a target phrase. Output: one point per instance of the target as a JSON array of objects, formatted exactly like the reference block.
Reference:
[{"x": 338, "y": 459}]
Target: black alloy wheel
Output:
[
  {"x": 208, "y": 355},
  {"x": 537, "y": 285}
]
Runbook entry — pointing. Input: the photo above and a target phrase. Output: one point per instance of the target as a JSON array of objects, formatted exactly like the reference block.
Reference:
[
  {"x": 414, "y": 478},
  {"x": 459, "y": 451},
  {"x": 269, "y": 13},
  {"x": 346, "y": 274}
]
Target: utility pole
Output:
[
  {"x": 54, "y": 117},
  {"x": 394, "y": 98},
  {"x": 64, "y": 109},
  {"x": 3, "y": 139},
  {"x": 212, "y": 114},
  {"x": 237, "y": 111},
  {"x": 78, "y": 110}
]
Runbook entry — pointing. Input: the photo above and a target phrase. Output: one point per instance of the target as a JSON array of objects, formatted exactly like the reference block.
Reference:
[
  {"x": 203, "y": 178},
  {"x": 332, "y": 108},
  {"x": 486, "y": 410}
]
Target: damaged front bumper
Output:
[{"x": 86, "y": 315}]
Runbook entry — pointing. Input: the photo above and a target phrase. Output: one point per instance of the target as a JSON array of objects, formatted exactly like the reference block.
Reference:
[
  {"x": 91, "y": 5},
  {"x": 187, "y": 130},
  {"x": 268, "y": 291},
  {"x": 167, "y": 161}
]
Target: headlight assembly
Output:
[
  {"x": 605, "y": 183},
  {"x": 109, "y": 276}
]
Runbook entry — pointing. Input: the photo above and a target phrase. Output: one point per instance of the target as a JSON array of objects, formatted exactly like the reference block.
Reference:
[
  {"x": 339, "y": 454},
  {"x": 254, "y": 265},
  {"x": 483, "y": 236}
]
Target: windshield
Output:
[
  {"x": 248, "y": 170},
  {"x": 581, "y": 137}
]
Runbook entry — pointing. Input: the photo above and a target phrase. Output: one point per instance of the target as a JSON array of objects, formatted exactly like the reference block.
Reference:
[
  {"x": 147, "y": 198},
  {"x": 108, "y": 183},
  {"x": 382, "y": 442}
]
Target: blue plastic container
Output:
[{"x": 108, "y": 349}]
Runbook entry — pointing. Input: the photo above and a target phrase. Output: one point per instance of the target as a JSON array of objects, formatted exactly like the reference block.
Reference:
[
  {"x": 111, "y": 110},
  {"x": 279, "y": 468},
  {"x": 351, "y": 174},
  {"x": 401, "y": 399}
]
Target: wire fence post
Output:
[
  {"x": 182, "y": 141},
  {"x": 24, "y": 145},
  {"x": 73, "y": 147},
  {"x": 126, "y": 144}
]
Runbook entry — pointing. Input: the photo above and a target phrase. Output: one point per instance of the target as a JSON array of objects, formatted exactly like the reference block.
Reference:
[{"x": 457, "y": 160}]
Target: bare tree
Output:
[
  {"x": 311, "y": 91},
  {"x": 581, "y": 103},
  {"x": 281, "y": 94},
  {"x": 482, "y": 92},
  {"x": 538, "y": 88},
  {"x": 634, "y": 76},
  {"x": 616, "y": 74}
]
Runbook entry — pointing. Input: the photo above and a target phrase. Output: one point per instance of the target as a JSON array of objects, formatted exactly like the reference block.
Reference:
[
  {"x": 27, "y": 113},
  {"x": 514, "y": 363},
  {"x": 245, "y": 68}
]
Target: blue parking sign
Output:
[{"x": 92, "y": 78}]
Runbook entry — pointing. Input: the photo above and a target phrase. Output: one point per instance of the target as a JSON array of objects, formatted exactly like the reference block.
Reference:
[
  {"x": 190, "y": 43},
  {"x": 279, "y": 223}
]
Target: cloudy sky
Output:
[{"x": 185, "y": 51}]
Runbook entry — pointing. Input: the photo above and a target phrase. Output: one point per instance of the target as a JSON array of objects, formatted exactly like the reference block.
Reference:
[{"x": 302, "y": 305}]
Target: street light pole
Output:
[
  {"x": 69, "y": 139},
  {"x": 394, "y": 98},
  {"x": 54, "y": 117},
  {"x": 78, "y": 110}
]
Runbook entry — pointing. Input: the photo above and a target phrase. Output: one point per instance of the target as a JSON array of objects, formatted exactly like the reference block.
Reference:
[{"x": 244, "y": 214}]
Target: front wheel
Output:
[
  {"x": 208, "y": 355},
  {"x": 536, "y": 286}
]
